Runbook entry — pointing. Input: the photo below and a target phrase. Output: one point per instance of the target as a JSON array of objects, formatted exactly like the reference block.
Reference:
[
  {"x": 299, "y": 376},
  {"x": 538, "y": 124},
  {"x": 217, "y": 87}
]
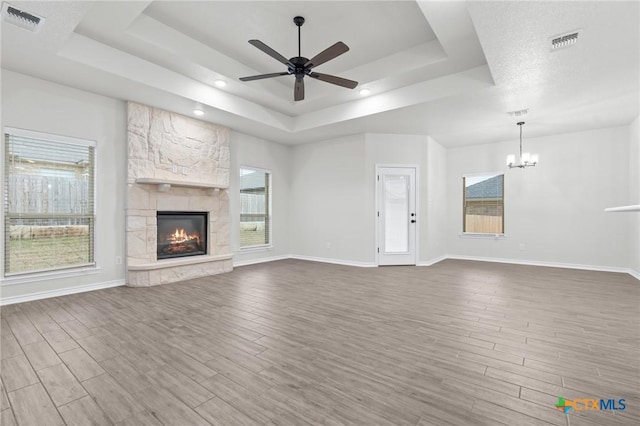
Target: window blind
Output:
[
  {"x": 49, "y": 208},
  {"x": 255, "y": 207}
]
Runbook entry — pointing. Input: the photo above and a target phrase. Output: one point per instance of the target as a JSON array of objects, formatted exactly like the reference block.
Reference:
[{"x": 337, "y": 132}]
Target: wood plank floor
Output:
[{"x": 303, "y": 343}]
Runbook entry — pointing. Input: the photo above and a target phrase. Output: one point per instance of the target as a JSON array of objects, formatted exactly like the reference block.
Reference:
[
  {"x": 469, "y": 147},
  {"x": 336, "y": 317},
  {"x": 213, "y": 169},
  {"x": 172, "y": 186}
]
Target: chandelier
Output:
[{"x": 526, "y": 159}]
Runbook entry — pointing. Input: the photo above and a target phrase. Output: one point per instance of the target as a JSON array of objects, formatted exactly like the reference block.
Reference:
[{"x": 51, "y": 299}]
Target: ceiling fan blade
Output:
[
  {"x": 326, "y": 55},
  {"x": 298, "y": 90},
  {"x": 261, "y": 76},
  {"x": 339, "y": 81},
  {"x": 269, "y": 51}
]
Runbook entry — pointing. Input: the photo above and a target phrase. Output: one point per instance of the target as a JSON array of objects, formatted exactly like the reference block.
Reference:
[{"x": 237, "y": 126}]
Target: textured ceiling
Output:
[
  {"x": 448, "y": 69},
  {"x": 217, "y": 24}
]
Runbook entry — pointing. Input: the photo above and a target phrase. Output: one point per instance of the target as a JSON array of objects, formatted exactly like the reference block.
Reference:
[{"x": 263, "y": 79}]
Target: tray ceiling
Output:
[{"x": 448, "y": 69}]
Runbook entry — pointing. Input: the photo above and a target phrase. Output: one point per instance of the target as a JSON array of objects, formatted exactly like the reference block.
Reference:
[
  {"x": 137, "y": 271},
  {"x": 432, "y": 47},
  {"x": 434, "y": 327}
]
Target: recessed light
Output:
[
  {"x": 364, "y": 92},
  {"x": 220, "y": 83},
  {"x": 198, "y": 111}
]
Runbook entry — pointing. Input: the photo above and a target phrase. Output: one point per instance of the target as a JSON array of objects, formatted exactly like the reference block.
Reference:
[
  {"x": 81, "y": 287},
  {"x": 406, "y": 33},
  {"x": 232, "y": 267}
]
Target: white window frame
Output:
[
  {"x": 494, "y": 235},
  {"x": 64, "y": 271},
  {"x": 269, "y": 222}
]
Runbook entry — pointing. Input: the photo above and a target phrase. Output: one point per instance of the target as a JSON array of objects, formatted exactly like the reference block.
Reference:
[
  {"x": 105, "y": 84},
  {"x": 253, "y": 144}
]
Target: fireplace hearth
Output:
[{"x": 181, "y": 234}]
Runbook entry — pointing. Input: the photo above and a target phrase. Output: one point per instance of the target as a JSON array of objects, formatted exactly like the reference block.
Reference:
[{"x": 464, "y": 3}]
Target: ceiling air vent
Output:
[
  {"x": 519, "y": 113},
  {"x": 21, "y": 18},
  {"x": 564, "y": 40}
]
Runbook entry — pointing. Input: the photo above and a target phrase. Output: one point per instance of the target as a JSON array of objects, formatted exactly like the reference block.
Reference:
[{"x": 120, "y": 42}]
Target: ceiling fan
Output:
[{"x": 300, "y": 66}]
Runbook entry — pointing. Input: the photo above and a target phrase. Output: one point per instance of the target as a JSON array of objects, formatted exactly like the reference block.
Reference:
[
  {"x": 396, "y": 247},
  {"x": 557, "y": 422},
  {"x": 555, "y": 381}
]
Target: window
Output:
[
  {"x": 483, "y": 203},
  {"x": 49, "y": 214},
  {"x": 255, "y": 207}
]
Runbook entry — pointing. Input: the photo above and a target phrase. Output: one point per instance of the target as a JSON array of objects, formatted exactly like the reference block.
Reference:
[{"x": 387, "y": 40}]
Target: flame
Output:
[{"x": 181, "y": 236}]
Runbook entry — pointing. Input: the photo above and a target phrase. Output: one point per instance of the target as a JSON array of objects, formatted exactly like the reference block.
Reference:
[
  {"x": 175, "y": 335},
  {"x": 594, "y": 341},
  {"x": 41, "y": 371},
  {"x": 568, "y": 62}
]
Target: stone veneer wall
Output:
[{"x": 158, "y": 140}]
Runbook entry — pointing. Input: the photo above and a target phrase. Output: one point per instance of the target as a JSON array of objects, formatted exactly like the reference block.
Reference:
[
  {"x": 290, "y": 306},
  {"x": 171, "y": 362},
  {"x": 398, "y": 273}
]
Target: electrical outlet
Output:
[
  {"x": 185, "y": 170},
  {"x": 521, "y": 246},
  {"x": 118, "y": 260},
  {"x": 174, "y": 168}
]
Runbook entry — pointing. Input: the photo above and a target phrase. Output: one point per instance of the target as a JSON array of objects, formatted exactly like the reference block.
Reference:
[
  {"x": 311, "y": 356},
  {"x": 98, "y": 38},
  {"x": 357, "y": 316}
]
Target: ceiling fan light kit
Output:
[
  {"x": 300, "y": 66},
  {"x": 526, "y": 159}
]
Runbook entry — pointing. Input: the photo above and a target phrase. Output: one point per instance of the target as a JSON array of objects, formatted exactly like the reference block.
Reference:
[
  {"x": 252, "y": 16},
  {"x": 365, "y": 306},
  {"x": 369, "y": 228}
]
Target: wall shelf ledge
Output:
[
  {"x": 633, "y": 208},
  {"x": 165, "y": 184}
]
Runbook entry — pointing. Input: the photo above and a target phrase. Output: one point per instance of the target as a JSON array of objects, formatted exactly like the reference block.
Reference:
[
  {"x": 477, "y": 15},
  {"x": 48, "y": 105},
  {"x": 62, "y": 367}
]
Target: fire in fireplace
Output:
[{"x": 181, "y": 234}]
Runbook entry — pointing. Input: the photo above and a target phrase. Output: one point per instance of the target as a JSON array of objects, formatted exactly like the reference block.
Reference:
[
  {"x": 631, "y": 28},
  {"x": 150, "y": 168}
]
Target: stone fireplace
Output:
[{"x": 178, "y": 206}]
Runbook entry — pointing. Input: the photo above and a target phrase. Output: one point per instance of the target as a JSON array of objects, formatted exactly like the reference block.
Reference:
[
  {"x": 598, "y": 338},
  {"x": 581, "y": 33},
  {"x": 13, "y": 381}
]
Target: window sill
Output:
[
  {"x": 46, "y": 276},
  {"x": 255, "y": 248},
  {"x": 483, "y": 236}
]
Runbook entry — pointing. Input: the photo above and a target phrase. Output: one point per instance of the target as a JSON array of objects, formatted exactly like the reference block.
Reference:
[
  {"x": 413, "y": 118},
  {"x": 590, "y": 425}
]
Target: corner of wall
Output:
[
  {"x": 634, "y": 194},
  {"x": 434, "y": 243}
]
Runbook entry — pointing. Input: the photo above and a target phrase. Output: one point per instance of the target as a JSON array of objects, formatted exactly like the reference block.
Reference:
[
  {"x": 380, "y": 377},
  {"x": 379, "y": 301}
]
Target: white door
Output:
[{"x": 396, "y": 215}]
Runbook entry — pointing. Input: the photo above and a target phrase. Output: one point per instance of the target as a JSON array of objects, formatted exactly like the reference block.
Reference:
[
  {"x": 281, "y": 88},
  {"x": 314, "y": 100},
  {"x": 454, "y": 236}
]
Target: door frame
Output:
[{"x": 377, "y": 206}]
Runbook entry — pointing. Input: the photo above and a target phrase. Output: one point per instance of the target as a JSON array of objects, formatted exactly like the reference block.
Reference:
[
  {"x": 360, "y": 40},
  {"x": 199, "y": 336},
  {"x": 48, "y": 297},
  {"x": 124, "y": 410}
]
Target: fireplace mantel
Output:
[{"x": 164, "y": 184}]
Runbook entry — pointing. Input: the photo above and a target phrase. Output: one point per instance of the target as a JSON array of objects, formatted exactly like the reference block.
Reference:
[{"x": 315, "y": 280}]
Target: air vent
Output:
[
  {"x": 518, "y": 113},
  {"x": 21, "y": 18},
  {"x": 564, "y": 40}
]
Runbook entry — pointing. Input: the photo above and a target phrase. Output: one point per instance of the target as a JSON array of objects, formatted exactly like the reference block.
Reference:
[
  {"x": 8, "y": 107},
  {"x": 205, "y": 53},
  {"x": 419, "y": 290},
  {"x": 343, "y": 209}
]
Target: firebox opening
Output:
[{"x": 182, "y": 234}]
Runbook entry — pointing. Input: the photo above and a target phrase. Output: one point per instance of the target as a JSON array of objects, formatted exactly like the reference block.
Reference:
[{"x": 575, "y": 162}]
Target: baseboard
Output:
[
  {"x": 334, "y": 261},
  {"x": 59, "y": 292},
  {"x": 309, "y": 258},
  {"x": 432, "y": 261},
  {"x": 116, "y": 283},
  {"x": 547, "y": 264},
  {"x": 259, "y": 260}
]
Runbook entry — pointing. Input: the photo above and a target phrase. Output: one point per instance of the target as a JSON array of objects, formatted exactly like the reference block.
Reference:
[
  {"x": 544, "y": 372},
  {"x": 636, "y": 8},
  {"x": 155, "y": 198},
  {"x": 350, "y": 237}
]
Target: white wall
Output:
[
  {"x": 333, "y": 191},
  {"x": 556, "y": 208},
  {"x": 634, "y": 195},
  {"x": 430, "y": 159},
  {"x": 328, "y": 195},
  {"x": 38, "y": 105},
  {"x": 251, "y": 151}
]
